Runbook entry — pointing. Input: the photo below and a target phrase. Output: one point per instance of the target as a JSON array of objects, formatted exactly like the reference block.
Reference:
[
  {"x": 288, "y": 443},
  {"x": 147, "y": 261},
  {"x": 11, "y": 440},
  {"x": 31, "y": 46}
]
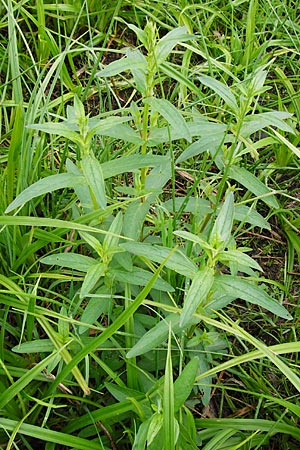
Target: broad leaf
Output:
[
  {"x": 211, "y": 143},
  {"x": 156, "y": 336},
  {"x": 238, "y": 257},
  {"x": 140, "y": 277},
  {"x": 121, "y": 65},
  {"x": 131, "y": 163},
  {"x": 93, "y": 274}
]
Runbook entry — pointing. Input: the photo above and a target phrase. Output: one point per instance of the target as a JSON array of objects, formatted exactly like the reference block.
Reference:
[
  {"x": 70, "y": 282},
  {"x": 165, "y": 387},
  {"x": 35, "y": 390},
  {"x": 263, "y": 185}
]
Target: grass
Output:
[{"x": 149, "y": 225}]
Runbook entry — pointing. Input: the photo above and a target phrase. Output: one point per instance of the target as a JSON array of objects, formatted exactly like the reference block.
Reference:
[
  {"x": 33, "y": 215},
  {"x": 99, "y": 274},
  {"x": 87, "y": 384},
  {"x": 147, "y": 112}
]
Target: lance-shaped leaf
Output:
[
  {"x": 139, "y": 73},
  {"x": 251, "y": 182},
  {"x": 197, "y": 294},
  {"x": 221, "y": 232},
  {"x": 222, "y": 90},
  {"x": 184, "y": 383},
  {"x": 92, "y": 172},
  {"x": 64, "y": 129},
  {"x": 238, "y": 257},
  {"x": 70, "y": 260},
  {"x": 171, "y": 114},
  {"x": 166, "y": 44},
  {"x": 111, "y": 240},
  {"x": 255, "y": 122},
  {"x": 178, "y": 261},
  {"x": 245, "y": 290},
  {"x": 121, "y": 65},
  {"x": 93, "y": 274},
  {"x": 156, "y": 335},
  {"x": 41, "y": 187},
  {"x": 140, "y": 277}
]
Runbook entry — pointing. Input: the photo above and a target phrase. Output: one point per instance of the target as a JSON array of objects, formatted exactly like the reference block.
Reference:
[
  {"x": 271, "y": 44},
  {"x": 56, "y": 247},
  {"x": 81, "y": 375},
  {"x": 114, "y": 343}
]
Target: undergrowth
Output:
[{"x": 149, "y": 225}]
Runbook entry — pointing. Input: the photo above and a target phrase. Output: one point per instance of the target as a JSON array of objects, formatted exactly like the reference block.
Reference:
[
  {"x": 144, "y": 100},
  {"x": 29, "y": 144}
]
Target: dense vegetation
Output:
[{"x": 149, "y": 214}]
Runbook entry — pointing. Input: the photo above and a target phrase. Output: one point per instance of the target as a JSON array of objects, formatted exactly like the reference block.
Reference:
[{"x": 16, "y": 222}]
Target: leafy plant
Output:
[{"x": 129, "y": 284}]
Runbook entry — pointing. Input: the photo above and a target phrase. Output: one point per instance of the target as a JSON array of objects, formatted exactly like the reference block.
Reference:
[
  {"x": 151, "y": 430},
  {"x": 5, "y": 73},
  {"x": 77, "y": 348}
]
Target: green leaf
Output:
[
  {"x": 140, "y": 277},
  {"x": 101, "y": 126},
  {"x": 245, "y": 214},
  {"x": 177, "y": 261},
  {"x": 119, "y": 322},
  {"x": 43, "y": 434},
  {"x": 254, "y": 185},
  {"x": 131, "y": 163},
  {"x": 194, "y": 238},
  {"x": 121, "y": 65},
  {"x": 239, "y": 258},
  {"x": 197, "y": 294},
  {"x": 210, "y": 142},
  {"x": 166, "y": 44},
  {"x": 221, "y": 232},
  {"x": 141, "y": 34},
  {"x": 222, "y": 90},
  {"x": 239, "y": 288},
  {"x": 171, "y": 114},
  {"x": 24, "y": 380},
  {"x": 139, "y": 73},
  {"x": 111, "y": 240},
  {"x": 41, "y": 187},
  {"x": 168, "y": 401},
  {"x": 255, "y": 122},
  {"x": 155, "y": 426},
  {"x": 141, "y": 436},
  {"x": 287, "y": 143},
  {"x": 71, "y": 260},
  {"x": 93, "y": 175},
  {"x": 95, "y": 307},
  {"x": 125, "y": 133},
  {"x": 93, "y": 274},
  {"x": 184, "y": 383},
  {"x": 62, "y": 129},
  {"x": 156, "y": 335}
]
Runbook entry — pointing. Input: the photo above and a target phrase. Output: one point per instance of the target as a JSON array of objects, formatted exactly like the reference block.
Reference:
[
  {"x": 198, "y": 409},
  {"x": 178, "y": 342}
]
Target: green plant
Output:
[{"x": 121, "y": 280}]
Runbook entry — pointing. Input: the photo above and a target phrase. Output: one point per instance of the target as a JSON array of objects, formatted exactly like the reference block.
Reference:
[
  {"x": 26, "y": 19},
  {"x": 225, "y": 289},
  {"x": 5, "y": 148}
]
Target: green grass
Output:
[{"x": 149, "y": 225}]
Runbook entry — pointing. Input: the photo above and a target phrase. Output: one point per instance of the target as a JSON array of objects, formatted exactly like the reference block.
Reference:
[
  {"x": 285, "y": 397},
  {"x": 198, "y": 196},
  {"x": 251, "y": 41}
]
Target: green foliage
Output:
[{"x": 145, "y": 149}]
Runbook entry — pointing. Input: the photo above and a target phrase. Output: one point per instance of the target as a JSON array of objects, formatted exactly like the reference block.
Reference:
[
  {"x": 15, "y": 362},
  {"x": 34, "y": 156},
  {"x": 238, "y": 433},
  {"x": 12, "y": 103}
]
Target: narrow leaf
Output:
[
  {"x": 178, "y": 261},
  {"x": 93, "y": 274},
  {"x": 251, "y": 182},
  {"x": 240, "y": 288},
  {"x": 168, "y": 401},
  {"x": 184, "y": 383},
  {"x": 222, "y": 90},
  {"x": 41, "y": 187},
  {"x": 71, "y": 260}
]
